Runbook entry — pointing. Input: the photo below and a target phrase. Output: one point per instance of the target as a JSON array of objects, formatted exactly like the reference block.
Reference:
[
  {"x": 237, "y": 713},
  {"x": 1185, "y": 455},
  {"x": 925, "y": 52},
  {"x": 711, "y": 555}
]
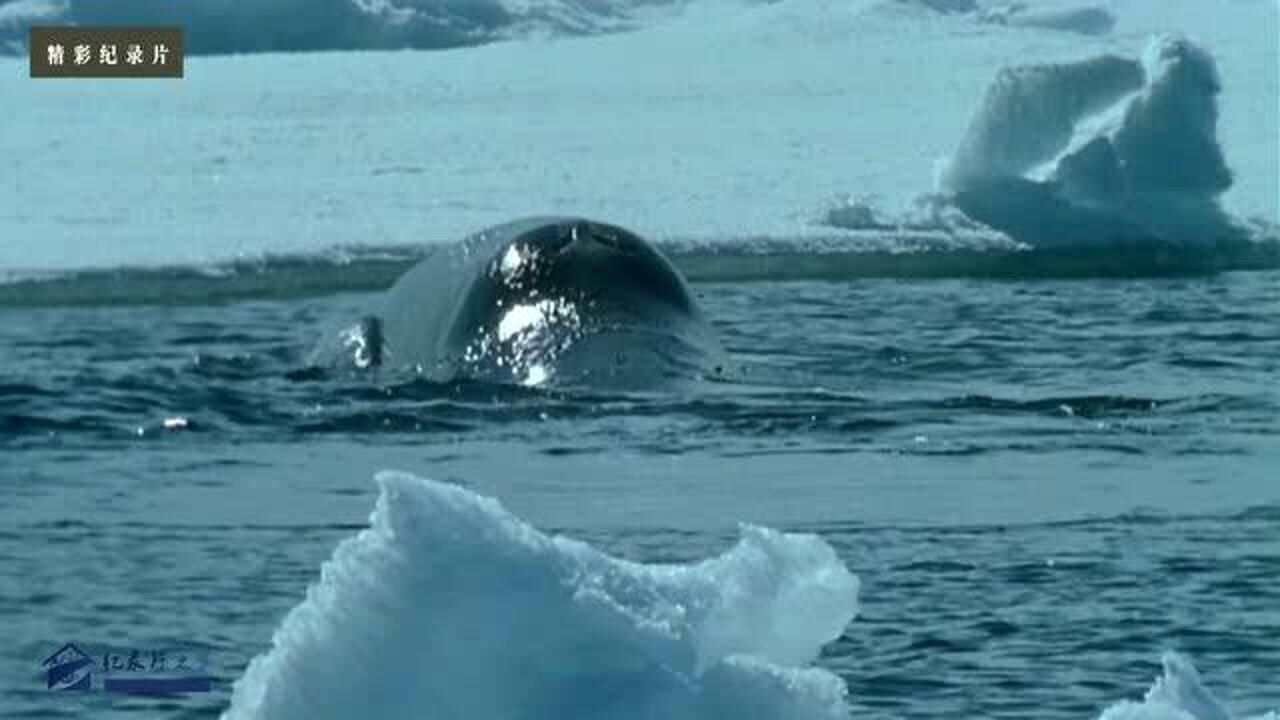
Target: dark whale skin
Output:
[{"x": 561, "y": 299}]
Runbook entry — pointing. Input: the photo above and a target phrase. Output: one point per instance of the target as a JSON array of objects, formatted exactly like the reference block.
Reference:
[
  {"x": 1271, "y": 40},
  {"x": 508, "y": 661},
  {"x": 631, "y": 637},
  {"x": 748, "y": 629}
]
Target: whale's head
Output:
[
  {"x": 542, "y": 300},
  {"x": 604, "y": 267},
  {"x": 572, "y": 299}
]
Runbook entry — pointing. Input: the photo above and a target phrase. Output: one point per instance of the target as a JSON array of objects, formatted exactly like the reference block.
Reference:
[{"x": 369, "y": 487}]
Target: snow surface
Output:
[{"x": 726, "y": 122}]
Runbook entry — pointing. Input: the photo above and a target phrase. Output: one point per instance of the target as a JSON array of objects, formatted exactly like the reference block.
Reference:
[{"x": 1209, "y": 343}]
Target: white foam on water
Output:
[{"x": 448, "y": 606}]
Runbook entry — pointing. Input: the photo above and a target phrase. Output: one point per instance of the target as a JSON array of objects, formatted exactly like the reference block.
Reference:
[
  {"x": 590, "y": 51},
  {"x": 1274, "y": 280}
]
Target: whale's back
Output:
[{"x": 542, "y": 297}]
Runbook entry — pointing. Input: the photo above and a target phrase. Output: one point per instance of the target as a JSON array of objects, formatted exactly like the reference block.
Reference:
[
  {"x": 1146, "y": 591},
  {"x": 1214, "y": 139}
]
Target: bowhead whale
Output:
[{"x": 542, "y": 300}]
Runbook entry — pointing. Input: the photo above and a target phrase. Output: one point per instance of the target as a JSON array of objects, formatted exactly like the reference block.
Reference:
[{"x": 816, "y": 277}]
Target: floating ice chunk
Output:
[
  {"x": 1085, "y": 20},
  {"x": 18, "y": 12},
  {"x": 1029, "y": 115},
  {"x": 1130, "y": 148},
  {"x": 1176, "y": 695},
  {"x": 946, "y": 6},
  {"x": 1168, "y": 140},
  {"x": 448, "y": 606}
]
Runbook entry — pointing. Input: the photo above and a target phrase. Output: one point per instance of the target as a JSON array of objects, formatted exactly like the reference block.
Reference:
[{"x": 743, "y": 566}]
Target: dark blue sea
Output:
[{"x": 1041, "y": 485}]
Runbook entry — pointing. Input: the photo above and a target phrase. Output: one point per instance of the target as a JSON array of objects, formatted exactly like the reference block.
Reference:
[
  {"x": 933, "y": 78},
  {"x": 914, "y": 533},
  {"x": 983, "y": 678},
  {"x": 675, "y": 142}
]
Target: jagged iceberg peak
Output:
[
  {"x": 1030, "y": 113},
  {"x": 1168, "y": 141},
  {"x": 1178, "y": 694},
  {"x": 1096, "y": 150},
  {"x": 448, "y": 607}
]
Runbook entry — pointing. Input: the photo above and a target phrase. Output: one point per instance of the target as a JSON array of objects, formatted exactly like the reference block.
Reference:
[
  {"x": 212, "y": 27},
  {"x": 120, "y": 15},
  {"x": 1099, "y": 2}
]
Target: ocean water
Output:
[
  {"x": 1000, "y": 437},
  {"x": 1041, "y": 485}
]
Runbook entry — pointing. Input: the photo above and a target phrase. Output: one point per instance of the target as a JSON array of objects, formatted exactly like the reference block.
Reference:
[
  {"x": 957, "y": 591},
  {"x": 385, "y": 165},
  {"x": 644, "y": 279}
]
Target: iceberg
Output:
[{"x": 448, "y": 606}]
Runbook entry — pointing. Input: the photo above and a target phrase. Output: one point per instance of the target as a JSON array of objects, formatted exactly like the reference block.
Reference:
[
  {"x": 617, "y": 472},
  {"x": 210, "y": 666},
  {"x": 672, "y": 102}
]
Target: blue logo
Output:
[
  {"x": 69, "y": 669},
  {"x": 130, "y": 671}
]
